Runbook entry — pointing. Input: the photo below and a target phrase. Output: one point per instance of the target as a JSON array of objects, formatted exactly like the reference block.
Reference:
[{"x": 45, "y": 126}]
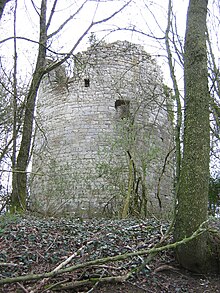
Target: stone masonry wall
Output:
[{"x": 98, "y": 130}]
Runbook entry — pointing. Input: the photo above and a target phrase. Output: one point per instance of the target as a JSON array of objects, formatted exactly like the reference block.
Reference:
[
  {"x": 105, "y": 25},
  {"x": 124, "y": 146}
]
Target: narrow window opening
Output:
[
  {"x": 86, "y": 82},
  {"x": 122, "y": 109}
]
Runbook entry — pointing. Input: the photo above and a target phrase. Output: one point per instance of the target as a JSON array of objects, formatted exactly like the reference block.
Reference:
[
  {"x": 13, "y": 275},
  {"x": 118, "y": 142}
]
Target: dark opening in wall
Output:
[
  {"x": 122, "y": 108},
  {"x": 86, "y": 82}
]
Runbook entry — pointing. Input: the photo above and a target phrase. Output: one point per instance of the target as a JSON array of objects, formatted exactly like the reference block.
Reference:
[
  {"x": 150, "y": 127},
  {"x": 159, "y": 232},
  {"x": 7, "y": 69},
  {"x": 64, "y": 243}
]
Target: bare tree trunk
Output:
[
  {"x": 19, "y": 193},
  {"x": 194, "y": 176},
  {"x": 14, "y": 133},
  {"x": 177, "y": 99}
]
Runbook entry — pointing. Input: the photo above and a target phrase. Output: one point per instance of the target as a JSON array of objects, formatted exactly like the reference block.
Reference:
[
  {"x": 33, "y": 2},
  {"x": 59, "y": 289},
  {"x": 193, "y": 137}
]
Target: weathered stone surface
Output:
[{"x": 113, "y": 105}]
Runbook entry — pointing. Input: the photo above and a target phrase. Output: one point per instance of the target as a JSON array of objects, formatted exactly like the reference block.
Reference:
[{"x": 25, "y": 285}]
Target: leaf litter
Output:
[{"x": 31, "y": 245}]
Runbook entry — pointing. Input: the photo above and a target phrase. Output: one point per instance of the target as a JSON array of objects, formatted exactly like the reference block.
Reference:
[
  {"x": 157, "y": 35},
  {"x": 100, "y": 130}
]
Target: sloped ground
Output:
[{"x": 35, "y": 245}]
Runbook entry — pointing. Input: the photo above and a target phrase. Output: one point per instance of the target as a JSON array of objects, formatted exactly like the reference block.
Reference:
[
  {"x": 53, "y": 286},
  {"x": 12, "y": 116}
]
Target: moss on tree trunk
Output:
[{"x": 194, "y": 176}]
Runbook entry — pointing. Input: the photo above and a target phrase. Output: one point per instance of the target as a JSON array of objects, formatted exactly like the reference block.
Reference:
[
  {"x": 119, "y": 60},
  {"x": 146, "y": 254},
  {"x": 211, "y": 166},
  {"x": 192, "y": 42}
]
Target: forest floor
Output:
[{"x": 33, "y": 245}]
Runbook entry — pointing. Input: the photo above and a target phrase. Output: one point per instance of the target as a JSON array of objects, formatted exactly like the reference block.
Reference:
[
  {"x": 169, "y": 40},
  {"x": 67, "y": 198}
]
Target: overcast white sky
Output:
[
  {"x": 144, "y": 15},
  {"x": 149, "y": 16}
]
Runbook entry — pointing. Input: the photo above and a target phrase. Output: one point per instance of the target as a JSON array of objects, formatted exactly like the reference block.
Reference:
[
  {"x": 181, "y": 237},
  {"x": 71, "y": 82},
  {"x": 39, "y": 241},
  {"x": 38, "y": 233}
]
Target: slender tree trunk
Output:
[
  {"x": 14, "y": 133},
  {"x": 194, "y": 176},
  {"x": 177, "y": 99},
  {"x": 19, "y": 193}
]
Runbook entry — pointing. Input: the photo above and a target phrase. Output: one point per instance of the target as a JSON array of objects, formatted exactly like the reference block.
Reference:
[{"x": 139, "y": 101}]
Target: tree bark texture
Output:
[{"x": 194, "y": 177}]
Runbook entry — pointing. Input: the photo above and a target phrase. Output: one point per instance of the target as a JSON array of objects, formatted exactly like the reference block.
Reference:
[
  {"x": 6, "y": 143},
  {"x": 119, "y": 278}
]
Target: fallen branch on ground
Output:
[
  {"x": 60, "y": 266},
  {"x": 91, "y": 282},
  {"x": 105, "y": 260}
]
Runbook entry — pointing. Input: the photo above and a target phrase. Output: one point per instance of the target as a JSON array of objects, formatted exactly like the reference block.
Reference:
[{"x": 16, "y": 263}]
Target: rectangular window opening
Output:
[
  {"x": 86, "y": 82},
  {"x": 122, "y": 108}
]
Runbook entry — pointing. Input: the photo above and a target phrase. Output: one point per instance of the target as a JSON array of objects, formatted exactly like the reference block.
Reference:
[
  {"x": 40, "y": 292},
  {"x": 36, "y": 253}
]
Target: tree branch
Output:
[
  {"x": 55, "y": 65},
  {"x": 65, "y": 22},
  {"x": 51, "y": 14},
  {"x": 120, "y": 257}
]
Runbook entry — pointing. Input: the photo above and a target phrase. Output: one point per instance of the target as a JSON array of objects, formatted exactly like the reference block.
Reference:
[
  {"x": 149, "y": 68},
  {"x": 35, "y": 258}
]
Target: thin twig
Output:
[
  {"x": 92, "y": 281},
  {"x": 64, "y": 263},
  {"x": 49, "y": 247},
  {"x": 22, "y": 287},
  {"x": 96, "y": 284},
  {"x": 59, "y": 267},
  {"x": 8, "y": 264}
]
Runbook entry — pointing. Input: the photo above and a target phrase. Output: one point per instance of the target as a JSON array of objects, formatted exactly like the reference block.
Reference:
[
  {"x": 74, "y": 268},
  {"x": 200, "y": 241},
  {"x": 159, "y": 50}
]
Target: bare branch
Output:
[
  {"x": 112, "y": 15},
  {"x": 177, "y": 95},
  {"x": 54, "y": 65},
  {"x": 35, "y": 8},
  {"x": 51, "y": 13},
  {"x": 6, "y": 149},
  {"x": 65, "y": 22},
  {"x": 177, "y": 51},
  {"x": 135, "y": 30},
  {"x": 18, "y": 38}
]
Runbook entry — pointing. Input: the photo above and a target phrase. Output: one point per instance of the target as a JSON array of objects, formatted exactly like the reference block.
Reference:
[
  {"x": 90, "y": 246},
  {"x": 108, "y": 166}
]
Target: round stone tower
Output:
[{"x": 104, "y": 136}]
